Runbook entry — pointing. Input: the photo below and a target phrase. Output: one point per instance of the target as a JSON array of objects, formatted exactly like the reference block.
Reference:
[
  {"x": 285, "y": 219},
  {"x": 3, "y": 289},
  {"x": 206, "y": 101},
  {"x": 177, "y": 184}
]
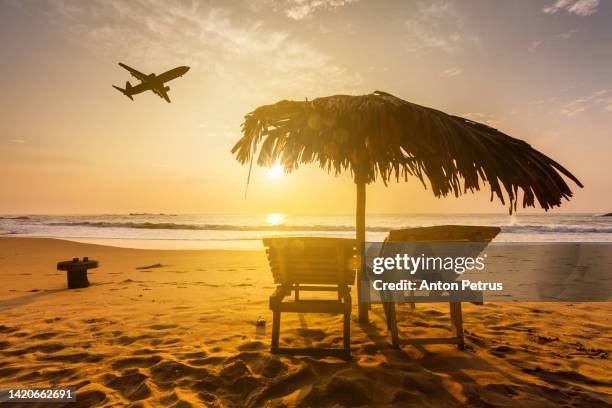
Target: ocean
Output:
[{"x": 207, "y": 231}]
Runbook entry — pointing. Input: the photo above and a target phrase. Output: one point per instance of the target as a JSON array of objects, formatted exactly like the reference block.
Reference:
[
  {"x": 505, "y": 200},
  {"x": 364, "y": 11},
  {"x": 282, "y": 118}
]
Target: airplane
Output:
[{"x": 151, "y": 82}]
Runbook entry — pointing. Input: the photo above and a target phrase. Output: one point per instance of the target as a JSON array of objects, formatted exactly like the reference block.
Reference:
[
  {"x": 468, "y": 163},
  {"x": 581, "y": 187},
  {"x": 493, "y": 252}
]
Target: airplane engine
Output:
[{"x": 166, "y": 88}]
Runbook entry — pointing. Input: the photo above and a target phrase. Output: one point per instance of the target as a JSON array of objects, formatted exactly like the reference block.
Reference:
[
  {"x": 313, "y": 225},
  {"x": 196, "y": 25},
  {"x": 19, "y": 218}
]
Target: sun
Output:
[{"x": 276, "y": 171}]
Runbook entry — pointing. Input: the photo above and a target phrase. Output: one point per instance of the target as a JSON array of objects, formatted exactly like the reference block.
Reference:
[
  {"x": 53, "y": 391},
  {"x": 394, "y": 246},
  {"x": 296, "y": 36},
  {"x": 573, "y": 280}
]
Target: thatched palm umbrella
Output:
[{"x": 381, "y": 136}]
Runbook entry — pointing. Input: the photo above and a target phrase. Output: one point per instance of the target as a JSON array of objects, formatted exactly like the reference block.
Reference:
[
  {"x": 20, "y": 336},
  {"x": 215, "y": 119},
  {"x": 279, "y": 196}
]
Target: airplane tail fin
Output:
[{"x": 125, "y": 91}]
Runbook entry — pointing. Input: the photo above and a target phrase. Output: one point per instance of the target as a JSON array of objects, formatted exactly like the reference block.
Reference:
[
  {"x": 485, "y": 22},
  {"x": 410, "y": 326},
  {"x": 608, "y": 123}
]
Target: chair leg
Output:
[
  {"x": 275, "y": 330},
  {"x": 385, "y": 306},
  {"x": 348, "y": 307},
  {"x": 392, "y": 322},
  {"x": 457, "y": 323},
  {"x": 347, "y": 332}
]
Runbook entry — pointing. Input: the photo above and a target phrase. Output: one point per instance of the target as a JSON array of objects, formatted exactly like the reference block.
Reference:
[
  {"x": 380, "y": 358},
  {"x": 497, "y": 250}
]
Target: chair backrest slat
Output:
[
  {"x": 310, "y": 260},
  {"x": 444, "y": 233}
]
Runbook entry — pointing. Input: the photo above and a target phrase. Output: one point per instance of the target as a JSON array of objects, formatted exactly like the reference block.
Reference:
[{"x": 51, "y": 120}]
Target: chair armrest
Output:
[{"x": 279, "y": 294}]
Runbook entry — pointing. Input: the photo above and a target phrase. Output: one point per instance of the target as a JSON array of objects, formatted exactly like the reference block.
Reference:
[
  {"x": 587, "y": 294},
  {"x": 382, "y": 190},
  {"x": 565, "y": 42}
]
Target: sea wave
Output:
[
  {"x": 559, "y": 229},
  {"x": 214, "y": 227}
]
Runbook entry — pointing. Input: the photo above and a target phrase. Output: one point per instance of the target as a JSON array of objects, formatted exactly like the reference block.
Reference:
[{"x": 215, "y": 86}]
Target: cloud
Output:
[
  {"x": 233, "y": 47},
  {"x": 451, "y": 72},
  {"x": 485, "y": 118},
  {"x": 578, "y": 7},
  {"x": 437, "y": 26},
  {"x": 534, "y": 46},
  {"x": 300, "y": 9},
  {"x": 568, "y": 34},
  {"x": 17, "y": 141},
  {"x": 600, "y": 98}
]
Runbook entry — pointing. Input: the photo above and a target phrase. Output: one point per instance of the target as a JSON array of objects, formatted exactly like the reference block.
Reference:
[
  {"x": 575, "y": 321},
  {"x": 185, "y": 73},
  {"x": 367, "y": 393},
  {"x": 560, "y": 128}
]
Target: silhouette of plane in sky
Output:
[{"x": 151, "y": 82}]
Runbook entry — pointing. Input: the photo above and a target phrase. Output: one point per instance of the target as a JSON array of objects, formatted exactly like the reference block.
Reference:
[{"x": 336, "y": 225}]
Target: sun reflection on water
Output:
[{"x": 275, "y": 219}]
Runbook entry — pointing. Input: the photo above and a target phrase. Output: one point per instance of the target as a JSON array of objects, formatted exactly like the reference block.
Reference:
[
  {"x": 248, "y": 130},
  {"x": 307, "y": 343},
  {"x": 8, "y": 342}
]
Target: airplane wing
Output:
[
  {"x": 136, "y": 74},
  {"x": 161, "y": 92}
]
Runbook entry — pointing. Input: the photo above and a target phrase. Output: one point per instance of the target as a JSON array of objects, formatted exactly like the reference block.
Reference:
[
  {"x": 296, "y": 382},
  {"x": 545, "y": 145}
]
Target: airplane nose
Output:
[{"x": 185, "y": 69}]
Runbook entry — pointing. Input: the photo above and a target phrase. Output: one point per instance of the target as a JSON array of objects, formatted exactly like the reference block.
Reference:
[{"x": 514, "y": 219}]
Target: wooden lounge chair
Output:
[
  {"x": 311, "y": 264},
  {"x": 438, "y": 234}
]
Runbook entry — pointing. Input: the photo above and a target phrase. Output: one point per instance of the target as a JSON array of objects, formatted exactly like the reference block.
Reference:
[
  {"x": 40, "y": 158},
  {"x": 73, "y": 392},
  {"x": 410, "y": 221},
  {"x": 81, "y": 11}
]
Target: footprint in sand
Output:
[
  {"x": 146, "y": 351},
  {"x": 43, "y": 336},
  {"x": 88, "y": 398},
  {"x": 132, "y": 385},
  {"x": 239, "y": 378},
  {"x": 9, "y": 372},
  {"x": 132, "y": 362},
  {"x": 74, "y": 358},
  {"x": 252, "y": 346},
  {"x": 7, "y": 329},
  {"x": 196, "y": 354},
  {"x": 173, "y": 400},
  {"x": 127, "y": 340},
  {"x": 163, "y": 326},
  {"x": 274, "y": 368},
  {"x": 45, "y": 348},
  {"x": 95, "y": 320},
  {"x": 207, "y": 361},
  {"x": 169, "y": 371},
  {"x": 502, "y": 351},
  {"x": 313, "y": 334},
  {"x": 346, "y": 391}
]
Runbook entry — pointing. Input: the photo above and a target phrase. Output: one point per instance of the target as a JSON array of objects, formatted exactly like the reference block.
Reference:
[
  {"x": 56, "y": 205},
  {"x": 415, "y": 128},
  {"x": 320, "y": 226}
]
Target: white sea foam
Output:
[{"x": 239, "y": 231}]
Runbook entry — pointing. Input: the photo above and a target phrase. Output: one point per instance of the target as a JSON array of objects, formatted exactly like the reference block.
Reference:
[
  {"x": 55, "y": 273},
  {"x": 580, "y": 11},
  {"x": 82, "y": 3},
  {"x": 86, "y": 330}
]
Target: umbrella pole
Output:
[{"x": 360, "y": 224}]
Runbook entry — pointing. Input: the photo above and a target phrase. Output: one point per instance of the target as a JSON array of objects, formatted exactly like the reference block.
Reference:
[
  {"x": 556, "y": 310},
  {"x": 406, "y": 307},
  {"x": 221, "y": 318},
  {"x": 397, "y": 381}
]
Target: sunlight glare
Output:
[
  {"x": 275, "y": 219},
  {"x": 276, "y": 171}
]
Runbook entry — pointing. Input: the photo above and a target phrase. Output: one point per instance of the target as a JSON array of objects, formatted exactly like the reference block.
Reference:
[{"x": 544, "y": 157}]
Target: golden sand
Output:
[{"x": 177, "y": 328}]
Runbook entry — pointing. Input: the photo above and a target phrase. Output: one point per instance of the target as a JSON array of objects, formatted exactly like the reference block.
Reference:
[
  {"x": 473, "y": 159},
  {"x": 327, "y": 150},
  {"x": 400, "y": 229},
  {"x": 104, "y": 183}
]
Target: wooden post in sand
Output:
[
  {"x": 362, "y": 307},
  {"x": 77, "y": 271}
]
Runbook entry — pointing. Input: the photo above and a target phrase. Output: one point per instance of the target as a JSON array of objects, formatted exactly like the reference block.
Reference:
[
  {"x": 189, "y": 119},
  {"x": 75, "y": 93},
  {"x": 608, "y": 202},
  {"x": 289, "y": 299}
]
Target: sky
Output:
[{"x": 70, "y": 143}]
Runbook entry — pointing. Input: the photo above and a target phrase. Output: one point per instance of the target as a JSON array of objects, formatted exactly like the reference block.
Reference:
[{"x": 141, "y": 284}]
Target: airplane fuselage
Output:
[
  {"x": 151, "y": 82},
  {"x": 156, "y": 81}
]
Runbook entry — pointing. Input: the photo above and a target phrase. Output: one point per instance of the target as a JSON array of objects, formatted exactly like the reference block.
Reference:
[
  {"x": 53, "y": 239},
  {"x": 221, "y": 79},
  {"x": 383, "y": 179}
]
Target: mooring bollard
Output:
[{"x": 77, "y": 271}]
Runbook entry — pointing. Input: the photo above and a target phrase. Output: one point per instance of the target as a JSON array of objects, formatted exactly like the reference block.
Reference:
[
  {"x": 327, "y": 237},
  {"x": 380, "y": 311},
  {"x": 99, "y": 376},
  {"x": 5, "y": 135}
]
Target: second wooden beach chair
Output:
[
  {"x": 307, "y": 264},
  {"x": 436, "y": 235}
]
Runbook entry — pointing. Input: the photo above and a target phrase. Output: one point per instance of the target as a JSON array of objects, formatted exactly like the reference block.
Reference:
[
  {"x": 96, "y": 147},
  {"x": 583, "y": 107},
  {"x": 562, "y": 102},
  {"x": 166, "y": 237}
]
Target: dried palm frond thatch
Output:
[{"x": 381, "y": 136}]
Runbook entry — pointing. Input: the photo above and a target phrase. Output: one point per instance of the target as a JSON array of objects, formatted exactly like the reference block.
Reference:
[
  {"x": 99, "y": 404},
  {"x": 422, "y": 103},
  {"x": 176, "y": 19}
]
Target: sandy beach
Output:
[{"x": 177, "y": 328}]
